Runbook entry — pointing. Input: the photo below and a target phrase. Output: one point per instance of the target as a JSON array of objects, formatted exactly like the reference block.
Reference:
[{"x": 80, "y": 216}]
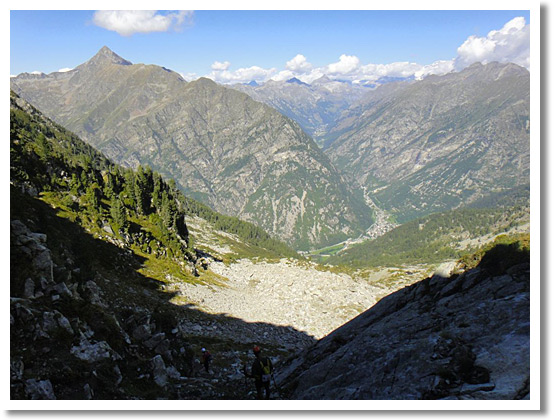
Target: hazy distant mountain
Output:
[
  {"x": 240, "y": 156},
  {"x": 315, "y": 106},
  {"x": 438, "y": 143}
]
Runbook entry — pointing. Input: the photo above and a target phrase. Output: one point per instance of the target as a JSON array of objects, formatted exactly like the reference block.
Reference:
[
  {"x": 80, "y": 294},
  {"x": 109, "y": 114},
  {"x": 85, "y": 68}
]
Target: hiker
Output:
[
  {"x": 206, "y": 358},
  {"x": 261, "y": 371}
]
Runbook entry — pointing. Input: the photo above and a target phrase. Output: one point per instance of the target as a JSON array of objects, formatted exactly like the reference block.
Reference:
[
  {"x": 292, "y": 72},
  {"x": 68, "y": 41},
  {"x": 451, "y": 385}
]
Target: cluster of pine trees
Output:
[{"x": 49, "y": 158}]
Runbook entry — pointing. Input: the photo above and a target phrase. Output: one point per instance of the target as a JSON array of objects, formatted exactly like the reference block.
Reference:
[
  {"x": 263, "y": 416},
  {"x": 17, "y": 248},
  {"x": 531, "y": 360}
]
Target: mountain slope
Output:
[
  {"x": 439, "y": 143},
  {"x": 439, "y": 237},
  {"x": 235, "y": 154},
  {"x": 464, "y": 337},
  {"x": 96, "y": 251},
  {"x": 315, "y": 106}
]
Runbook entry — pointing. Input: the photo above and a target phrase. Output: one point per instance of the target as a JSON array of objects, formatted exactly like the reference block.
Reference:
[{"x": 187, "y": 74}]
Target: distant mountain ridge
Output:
[
  {"x": 238, "y": 155},
  {"x": 315, "y": 106},
  {"x": 439, "y": 143}
]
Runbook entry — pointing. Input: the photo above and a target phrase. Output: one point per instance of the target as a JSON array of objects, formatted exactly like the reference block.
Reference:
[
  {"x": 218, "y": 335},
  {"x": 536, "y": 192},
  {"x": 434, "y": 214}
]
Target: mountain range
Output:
[
  {"x": 239, "y": 156},
  {"x": 418, "y": 147},
  {"x": 408, "y": 148},
  {"x": 111, "y": 265},
  {"x": 315, "y": 106},
  {"x": 439, "y": 143}
]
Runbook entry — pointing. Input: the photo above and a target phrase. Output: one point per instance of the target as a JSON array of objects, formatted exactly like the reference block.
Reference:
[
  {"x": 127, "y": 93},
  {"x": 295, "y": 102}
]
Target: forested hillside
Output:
[
  {"x": 437, "y": 237},
  {"x": 136, "y": 206}
]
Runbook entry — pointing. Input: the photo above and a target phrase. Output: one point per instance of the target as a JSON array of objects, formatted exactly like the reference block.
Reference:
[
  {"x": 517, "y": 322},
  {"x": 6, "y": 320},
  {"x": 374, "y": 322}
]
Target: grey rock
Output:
[
  {"x": 16, "y": 369},
  {"x": 62, "y": 289},
  {"x": 154, "y": 341},
  {"x": 29, "y": 288},
  {"x": 108, "y": 229},
  {"x": 93, "y": 293},
  {"x": 142, "y": 332},
  {"x": 88, "y": 392},
  {"x": 173, "y": 373},
  {"x": 92, "y": 352},
  {"x": 39, "y": 389},
  {"x": 159, "y": 371},
  {"x": 469, "y": 344}
]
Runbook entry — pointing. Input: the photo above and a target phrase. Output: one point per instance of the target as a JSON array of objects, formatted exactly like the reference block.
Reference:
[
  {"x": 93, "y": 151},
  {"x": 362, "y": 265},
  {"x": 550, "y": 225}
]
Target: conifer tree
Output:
[{"x": 118, "y": 212}]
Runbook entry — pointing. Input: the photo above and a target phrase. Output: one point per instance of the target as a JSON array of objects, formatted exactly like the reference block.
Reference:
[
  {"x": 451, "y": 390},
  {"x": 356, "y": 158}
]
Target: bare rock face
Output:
[{"x": 466, "y": 337}]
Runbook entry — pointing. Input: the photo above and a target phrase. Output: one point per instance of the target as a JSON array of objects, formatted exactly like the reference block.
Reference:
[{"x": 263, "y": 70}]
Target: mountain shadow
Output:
[
  {"x": 463, "y": 337},
  {"x": 85, "y": 323}
]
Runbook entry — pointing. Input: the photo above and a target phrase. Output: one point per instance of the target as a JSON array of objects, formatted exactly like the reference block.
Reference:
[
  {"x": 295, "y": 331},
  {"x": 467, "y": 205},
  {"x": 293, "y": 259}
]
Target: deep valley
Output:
[{"x": 374, "y": 241}]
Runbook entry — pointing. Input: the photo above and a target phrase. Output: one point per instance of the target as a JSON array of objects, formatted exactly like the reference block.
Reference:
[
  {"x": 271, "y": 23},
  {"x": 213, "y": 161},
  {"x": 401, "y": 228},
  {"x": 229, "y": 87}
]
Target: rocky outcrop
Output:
[
  {"x": 464, "y": 337},
  {"x": 66, "y": 337}
]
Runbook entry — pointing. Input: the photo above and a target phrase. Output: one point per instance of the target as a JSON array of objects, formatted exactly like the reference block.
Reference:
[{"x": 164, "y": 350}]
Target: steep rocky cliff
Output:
[
  {"x": 238, "y": 155},
  {"x": 463, "y": 337}
]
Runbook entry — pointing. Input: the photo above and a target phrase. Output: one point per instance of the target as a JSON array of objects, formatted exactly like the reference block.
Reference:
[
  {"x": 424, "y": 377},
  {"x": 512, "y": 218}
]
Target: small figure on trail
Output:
[
  {"x": 206, "y": 359},
  {"x": 261, "y": 371}
]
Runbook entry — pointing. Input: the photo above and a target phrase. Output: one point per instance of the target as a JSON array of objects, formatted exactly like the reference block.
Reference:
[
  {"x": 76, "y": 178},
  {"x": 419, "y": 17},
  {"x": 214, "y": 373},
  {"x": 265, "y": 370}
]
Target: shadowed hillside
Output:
[
  {"x": 463, "y": 337},
  {"x": 86, "y": 324}
]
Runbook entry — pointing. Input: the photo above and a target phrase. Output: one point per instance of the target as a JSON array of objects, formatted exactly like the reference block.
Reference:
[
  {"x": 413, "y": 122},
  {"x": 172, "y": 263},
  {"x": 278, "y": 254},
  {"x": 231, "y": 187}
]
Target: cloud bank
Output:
[
  {"x": 508, "y": 44},
  {"x": 129, "y": 22}
]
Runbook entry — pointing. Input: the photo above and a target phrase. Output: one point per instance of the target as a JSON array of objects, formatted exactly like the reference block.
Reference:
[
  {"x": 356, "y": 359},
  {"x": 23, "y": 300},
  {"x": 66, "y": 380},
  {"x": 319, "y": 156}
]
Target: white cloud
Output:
[
  {"x": 373, "y": 72},
  {"x": 242, "y": 75},
  {"x": 283, "y": 75},
  {"x": 220, "y": 66},
  {"x": 437, "y": 67},
  {"x": 509, "y": 44},
  {"x": 344, "y": 65},
  {"x": 129, "y": 22},
  {"x": 299, "y": 64},
  {"x": 189, "y": 76}
]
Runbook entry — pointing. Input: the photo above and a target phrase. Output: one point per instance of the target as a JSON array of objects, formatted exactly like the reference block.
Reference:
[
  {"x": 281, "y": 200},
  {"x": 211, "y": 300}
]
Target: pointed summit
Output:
[
  {"x": 322, "y": 80},
  {"x": 296, "y": 81},
  {"x": 106, "y": 56}
]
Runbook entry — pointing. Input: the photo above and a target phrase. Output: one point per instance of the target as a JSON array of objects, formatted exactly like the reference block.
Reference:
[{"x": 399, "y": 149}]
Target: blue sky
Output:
[{"x": 238, "y": 46}]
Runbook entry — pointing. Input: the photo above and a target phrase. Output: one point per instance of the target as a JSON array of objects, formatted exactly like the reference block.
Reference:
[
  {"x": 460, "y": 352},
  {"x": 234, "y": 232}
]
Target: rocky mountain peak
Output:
[
  {"x": 106, "y": 56},
  {"x": 296, "y": 81},
  {"x": 322, "y": 80}
]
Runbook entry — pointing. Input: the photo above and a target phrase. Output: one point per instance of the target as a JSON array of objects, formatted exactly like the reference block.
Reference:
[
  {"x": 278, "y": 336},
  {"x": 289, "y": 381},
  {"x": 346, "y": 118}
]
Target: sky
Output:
[
  {"x": 240, "y": 46},
  {"x": 243, "y": 45}
]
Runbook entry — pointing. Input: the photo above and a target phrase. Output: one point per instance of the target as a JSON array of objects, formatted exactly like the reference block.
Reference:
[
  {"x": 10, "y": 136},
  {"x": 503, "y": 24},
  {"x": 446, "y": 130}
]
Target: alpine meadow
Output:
[{"x": 205, "y": 205}]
